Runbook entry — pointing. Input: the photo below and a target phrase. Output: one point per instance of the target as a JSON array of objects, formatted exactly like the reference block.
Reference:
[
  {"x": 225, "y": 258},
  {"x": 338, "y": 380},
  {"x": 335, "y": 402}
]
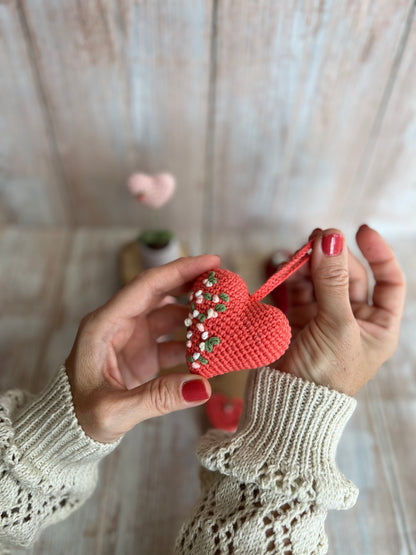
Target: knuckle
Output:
[
  {"x": 89, "y": 319},
  {"x": 334, "y": 276},
  {"x": 162, "y": 398}
]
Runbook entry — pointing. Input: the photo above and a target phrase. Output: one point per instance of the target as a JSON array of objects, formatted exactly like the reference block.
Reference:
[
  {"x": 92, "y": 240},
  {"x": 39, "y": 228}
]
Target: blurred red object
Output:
[{"x": 223, "y": 412}]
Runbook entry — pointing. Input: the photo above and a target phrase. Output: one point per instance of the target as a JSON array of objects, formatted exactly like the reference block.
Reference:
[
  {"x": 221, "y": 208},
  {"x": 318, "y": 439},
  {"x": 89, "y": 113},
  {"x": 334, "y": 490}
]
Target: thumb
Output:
[
  {"x": 169, "y": 393},
  {"x": 329, "y": 271}
]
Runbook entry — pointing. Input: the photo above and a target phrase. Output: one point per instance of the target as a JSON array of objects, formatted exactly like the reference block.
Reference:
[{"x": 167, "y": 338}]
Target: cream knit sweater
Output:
[{"x": 265, "y": 489}]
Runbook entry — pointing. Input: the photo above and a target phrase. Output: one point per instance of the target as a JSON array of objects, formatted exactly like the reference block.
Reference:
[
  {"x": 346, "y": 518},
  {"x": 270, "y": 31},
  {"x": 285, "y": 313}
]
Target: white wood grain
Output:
[
  {"x": 30, "y": 273},
  {"x": 297, "y": 89},
  {"x": 32, "y": 188},
  {"x": 126, "y": 85},
  {"x": 387, "y": 195}
]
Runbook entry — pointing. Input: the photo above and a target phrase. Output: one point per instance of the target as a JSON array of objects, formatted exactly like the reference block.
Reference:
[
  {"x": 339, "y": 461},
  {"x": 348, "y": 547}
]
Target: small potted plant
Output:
[{"x": 156, "y": 246}]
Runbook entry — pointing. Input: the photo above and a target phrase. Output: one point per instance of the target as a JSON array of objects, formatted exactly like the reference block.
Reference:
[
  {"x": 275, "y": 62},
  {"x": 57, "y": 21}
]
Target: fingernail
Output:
[
  {"x": 194, "y": 390},
  {"x": 332, "y": 244}
]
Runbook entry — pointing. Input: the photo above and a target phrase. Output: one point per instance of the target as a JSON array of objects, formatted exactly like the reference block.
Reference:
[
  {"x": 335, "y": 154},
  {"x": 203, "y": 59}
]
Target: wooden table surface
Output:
[{"x": 49, "y": 278}]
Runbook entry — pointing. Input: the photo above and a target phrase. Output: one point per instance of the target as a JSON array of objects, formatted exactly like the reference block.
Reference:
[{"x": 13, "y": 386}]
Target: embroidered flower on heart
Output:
[{"x": 201, "y": 342}]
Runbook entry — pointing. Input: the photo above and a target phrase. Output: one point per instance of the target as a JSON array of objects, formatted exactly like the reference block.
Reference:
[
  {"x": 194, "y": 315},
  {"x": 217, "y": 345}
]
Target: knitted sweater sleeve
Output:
[
  {"x": 268, "y": 487},
  {"x": 48, "y": 465}
]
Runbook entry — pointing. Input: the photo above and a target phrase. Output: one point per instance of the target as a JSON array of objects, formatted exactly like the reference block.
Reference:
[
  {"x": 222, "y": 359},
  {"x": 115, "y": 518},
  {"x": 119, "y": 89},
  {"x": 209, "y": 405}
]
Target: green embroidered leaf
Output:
[
  {"x": 220, "y": 308},
  {"x": 208, "y": 346},
  {"x": 202, "y": 360},
  {"x": 189, "y": 359},
  {"x": 224, "y": 297},
  {"x": 201, "y": 317},
  {"x": 213, "y": 280},
  {"x": 207, "y": 296},
  {"x": 192, "y": 306},
  {"x": 211, "y": 275},
  {"x": 211, "y": 342}
]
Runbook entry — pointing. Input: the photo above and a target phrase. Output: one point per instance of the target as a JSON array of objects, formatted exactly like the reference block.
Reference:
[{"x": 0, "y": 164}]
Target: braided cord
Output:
[{"x": 286, "y": 269}]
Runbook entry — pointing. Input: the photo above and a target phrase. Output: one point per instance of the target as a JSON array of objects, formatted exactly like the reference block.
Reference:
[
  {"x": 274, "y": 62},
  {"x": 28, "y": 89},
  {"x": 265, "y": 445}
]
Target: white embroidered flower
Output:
[
  {"x": 200, "y": 327},
  {"x": 202, "y": 346},
  {"x": 214, "y": 314},
  {"x": 198, "y": 293},
  {"x": 195, "y": 313},
  {"x": 204, "y": 335},
  {"x": 189, "y": 344},
  {"x": 209, "y": 284},
  {"x": 196, "y": 356},
  {"x": 210, "y": 313},
  {"x": 199, "y": 300},
  {"x": 189, "y": 335},
  {"x": 215, "y": 299},
  {"x": 188, "y": 322},
  {"x": 205, "y": 282},
  {"x": 196, "y": 365}
]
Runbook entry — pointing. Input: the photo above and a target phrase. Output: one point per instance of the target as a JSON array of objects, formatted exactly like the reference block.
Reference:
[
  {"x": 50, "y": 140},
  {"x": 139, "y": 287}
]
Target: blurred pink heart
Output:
[{"x": 152, "y": 190}]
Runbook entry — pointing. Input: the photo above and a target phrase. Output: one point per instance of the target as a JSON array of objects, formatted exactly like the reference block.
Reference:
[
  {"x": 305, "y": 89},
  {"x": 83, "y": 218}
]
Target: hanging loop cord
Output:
[{"x": 285, "y": 270}]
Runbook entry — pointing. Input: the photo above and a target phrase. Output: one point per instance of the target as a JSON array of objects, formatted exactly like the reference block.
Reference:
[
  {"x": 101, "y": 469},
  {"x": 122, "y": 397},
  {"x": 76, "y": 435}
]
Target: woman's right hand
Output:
[{"x": 340, "y": 337}]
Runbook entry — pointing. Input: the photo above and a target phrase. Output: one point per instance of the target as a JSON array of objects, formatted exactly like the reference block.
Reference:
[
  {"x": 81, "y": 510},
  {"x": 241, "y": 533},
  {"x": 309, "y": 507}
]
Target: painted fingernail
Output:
[
  {"x": 332, "y": 244},
  {"x": 194, "y": 390}
]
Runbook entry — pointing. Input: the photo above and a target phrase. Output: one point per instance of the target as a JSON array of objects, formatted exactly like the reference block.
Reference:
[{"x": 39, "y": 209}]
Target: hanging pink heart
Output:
[
  {"x": 152, "y": 190},
  {"x": 228, "y": 330}
]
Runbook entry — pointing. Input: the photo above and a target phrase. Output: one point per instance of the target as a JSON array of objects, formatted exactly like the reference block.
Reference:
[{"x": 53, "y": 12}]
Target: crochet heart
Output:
[
  {"x": 152, "y": 190},
  {"x": 228, "y": 330},
  {"x": 223, "y": 413}
]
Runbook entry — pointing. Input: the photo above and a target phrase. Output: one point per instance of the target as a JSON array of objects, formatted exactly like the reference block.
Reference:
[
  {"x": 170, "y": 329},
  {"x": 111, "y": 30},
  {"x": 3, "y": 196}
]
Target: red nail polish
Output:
[
  {"x": 332, "y": 244},
  {"x": 194, "y": 390}
]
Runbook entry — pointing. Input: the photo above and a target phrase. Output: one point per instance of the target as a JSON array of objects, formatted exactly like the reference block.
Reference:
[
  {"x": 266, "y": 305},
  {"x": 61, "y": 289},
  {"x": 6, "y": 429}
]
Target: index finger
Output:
[
  {"x": 146, "y": 289},
  {"x": 389, "y": 289}
]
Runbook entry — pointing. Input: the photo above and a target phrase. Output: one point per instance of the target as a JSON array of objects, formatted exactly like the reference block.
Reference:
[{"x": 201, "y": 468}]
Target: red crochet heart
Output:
[
  {"x": 228, "y": 330},
  {"x": 224, "y": 413}
]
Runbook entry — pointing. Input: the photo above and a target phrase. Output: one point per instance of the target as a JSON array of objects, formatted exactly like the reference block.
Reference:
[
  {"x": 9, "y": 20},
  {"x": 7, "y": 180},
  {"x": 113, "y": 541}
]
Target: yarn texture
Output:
[
  {"x": 48, "y": 465},
  {"x": 228, "y": 330},
  {"x": 268, "y": 487}
]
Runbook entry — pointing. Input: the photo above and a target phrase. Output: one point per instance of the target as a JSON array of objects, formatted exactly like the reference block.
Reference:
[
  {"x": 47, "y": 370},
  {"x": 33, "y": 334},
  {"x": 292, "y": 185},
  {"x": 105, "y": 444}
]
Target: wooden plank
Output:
[
  {"x": 393, "y": 404},
  {"x": 126, "y": 85},
  {"x": 30, "y": 273},
  {"x": 388, "y": 192},
  {"x": 152, "y": 484},
  {"x": 91, "y": 278},
  {"x": 372, "y": 525},
  {"x": 32, "y": 188},
  {"x": 298, "y": 87}
]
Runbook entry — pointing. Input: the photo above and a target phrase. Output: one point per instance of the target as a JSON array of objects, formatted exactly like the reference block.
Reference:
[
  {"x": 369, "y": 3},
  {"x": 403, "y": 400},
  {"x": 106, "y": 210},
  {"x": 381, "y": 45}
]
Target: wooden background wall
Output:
[{"x": 274, "y": 116}]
